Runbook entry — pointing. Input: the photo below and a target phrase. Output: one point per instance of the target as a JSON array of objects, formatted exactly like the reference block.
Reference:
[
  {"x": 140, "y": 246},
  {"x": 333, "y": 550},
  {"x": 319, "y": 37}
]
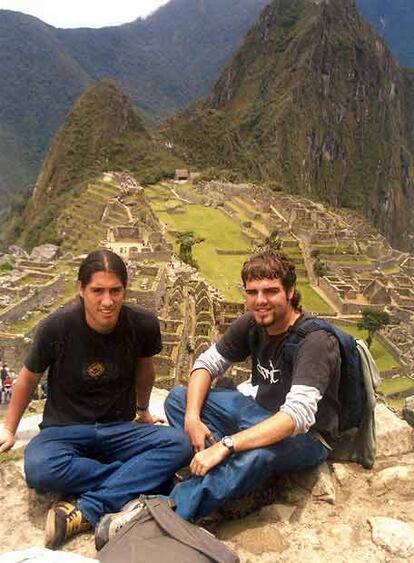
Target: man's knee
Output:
[
  {"x": 44, "y": 471},
  {"x": 182, "y": 444},
  {"x": 175, "y": 402}
]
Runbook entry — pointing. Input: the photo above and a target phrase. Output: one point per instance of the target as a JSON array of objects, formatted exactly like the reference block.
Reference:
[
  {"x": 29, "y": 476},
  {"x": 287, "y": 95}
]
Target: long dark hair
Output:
[{"x": 102, "y": 260}]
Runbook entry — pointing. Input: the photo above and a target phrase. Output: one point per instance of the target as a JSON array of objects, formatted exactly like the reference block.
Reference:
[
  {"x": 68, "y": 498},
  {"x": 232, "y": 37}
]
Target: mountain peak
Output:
[
  {"x": 96, "y": 119},
  {"x": 314, "y": 100}
]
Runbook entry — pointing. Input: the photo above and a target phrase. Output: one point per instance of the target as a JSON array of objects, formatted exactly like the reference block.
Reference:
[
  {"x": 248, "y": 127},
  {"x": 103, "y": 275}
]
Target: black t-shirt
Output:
[
  {"x": 317, "y": 364},
  {"x": 91, "y": 375}
]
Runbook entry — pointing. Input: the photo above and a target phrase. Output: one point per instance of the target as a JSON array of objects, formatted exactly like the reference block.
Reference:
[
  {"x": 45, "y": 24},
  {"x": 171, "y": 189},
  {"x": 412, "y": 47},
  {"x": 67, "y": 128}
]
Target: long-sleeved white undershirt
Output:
[{"x": 300, "y": 404}]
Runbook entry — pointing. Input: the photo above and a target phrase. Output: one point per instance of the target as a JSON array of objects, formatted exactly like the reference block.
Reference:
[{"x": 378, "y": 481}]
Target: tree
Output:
[
  {"x": 271, "y": 242},
  {"x": 373, "y": 320},
  {"x": 320, "y": 269},
  {"x": 187, "y": 240}
]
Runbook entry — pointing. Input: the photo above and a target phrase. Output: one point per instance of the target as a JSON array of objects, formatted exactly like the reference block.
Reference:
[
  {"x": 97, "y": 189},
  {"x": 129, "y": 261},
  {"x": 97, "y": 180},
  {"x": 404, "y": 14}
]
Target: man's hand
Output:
[
  {"x": 7, "y": 440},
  {"x": 145, "y": 417},
  {"x": 203, "y": 461},
  {"x": 198, "y": 433}
]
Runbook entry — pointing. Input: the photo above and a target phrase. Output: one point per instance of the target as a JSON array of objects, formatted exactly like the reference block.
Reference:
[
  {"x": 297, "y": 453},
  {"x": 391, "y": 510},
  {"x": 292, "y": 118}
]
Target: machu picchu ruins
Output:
[{"x": 195, "y": 307}]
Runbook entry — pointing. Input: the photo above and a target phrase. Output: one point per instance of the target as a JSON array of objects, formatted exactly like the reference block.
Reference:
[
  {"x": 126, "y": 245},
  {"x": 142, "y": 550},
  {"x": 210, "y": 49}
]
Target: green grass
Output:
[
  {"x": 219, "y": 231},
  {"x": 396, "y": 385},
  {"x": 396, "y": 404},
  {"x": 392, "y": 270},
  {"x": 384, "y": 360},
  {"x": 312, "y": 300},
  {"x": 12, "y": 455}
]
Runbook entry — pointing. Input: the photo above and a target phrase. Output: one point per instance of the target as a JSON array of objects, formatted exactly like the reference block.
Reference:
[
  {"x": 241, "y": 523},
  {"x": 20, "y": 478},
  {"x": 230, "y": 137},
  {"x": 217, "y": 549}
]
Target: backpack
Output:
[
  {"x": 158, "y": 535},
  {"x": 356, "y": 394}
]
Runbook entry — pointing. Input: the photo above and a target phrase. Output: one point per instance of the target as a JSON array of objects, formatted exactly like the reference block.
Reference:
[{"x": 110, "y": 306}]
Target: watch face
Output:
[{"x": 228, "y": 442}]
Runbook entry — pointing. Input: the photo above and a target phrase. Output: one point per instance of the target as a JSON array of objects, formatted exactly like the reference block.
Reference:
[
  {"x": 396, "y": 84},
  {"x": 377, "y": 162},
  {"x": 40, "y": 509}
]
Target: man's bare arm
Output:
[
  {"x": 26, "y": 383},
  {"x": 198, "y": 388},
  {"x": 265, "y": 433},
  {"x": 144, "y": 382}
]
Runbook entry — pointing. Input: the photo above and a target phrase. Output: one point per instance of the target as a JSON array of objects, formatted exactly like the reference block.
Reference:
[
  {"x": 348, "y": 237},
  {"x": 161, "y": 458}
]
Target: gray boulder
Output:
[
  {"x": 44, "y": 253},
  {"x": 408, "y": 410},
  {"x": 18, "y": 252}
]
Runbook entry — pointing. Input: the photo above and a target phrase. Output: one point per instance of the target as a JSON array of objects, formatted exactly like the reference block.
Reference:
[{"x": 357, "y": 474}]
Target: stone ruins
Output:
[{"x": 361, "y": 269}]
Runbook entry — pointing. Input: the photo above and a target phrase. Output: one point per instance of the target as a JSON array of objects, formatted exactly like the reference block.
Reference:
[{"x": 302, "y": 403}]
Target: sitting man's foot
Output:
[
  {"x": 111, "y": 523},
  {"x": 64, "y": 520}
]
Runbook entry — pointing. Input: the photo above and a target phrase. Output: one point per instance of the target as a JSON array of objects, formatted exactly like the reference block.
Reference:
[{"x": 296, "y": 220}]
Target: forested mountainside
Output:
[
  {"x": 394, "y": 20},
  {"x": 314, "y": 102},
  {"x": 162, "y": 63},
  {"x": 102, "y": 131},
  {"x": 39, "y": 83}
]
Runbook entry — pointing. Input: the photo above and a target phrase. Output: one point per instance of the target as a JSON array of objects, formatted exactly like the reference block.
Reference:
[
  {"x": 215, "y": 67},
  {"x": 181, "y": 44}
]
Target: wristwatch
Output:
[{"x": 229, "y": 443}]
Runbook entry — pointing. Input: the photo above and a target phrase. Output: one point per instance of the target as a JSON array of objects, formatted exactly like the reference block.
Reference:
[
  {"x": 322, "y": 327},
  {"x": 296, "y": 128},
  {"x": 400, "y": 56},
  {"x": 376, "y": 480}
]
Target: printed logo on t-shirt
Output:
[
  {"x": 270, "y": 374},
  {"x": 95, "y": 370}
]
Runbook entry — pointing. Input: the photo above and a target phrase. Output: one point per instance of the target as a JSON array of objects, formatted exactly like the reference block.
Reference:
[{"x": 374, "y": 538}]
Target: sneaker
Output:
[
  {"x": 111, "y": 523},
  {"x": 64, "y": 520}
]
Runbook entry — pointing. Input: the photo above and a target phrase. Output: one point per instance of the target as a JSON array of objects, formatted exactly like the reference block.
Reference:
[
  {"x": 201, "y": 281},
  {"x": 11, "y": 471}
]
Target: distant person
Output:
[
  {"x": 7, "y": 388},
  {"x": 99, "y": 354},
  {"x": 239, "y": 441},
  {"x": 4, "y": 374}
]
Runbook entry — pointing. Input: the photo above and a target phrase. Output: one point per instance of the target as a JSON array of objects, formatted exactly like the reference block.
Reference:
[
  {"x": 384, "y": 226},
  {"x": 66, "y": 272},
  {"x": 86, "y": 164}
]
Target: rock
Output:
[
  {"x": 342, "y": 473},
  {"x": 44, "y": 253},
  {"x": 399, "y": 479},
  {"x": 396, "y": 536},
  {"x": 408, "y": 410},
  {"x": 343, "y": 532},
  {"x": 394, "y": 436},
  {"x": 18, "y": 252},
  {"x": 324, "y": 488},
  {"x": 277, "y": 513},
  {"x": 253, "y": 537}
]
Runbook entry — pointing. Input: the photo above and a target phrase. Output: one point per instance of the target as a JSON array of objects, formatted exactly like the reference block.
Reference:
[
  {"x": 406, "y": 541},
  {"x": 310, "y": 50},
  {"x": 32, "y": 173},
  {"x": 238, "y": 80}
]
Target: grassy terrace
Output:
[
  {"x": 69, "y": 291},
  {"x": 87, "y": 209},
  {"x": 396, "y": 385},
  {"x": 220, "y": 231},
  {"x": 382, "y": 357}
]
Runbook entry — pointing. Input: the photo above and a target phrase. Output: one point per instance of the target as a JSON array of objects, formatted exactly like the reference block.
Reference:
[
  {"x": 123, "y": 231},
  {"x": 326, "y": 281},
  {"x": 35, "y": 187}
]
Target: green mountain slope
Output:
[
  {"x": 314, "y": 101},
  {"x": 101, "y": 132},
  {"x": 39, "y": 82},
  {"x": 162, "y": 63}
]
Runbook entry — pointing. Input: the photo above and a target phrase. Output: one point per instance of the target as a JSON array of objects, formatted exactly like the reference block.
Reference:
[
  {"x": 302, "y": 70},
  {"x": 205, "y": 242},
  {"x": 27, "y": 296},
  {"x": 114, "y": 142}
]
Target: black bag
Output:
[{"x": 158, "y": 535}]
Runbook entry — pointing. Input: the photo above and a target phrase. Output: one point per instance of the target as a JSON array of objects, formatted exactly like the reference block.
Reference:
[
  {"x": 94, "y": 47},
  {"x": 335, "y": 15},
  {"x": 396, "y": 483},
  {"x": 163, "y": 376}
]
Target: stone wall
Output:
[
  {"x": 222, "y": 252},
  {"x": 39, "y": 297},
  {"x": 159, "y": 256},
  {"x": 13, "y": 349},
  {"x": 150, "y": 298}
]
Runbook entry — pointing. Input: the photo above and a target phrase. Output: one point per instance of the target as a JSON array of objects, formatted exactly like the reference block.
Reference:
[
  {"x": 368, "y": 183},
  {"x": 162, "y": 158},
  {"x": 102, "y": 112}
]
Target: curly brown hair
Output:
[{"x": 271, "y": 264}]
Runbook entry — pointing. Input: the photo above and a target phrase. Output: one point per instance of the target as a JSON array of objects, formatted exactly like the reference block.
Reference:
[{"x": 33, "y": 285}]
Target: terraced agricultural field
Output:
[
  {"x": 384, "y": 360},
  {"x": 87, "y": 209},
  {"x": 222, "y": 232}
]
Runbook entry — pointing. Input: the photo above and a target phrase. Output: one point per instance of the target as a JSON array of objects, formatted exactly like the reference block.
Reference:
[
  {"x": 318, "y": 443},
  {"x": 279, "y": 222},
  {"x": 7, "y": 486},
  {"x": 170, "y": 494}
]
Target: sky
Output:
[{"x": 84, "y": 13}]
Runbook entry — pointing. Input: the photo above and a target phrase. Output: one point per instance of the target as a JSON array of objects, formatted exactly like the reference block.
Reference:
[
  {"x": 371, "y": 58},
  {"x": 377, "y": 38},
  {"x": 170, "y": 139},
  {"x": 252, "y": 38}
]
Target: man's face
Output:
[
  {"x": 103, "y": 297},
  {"x": 269, "y": 303}
]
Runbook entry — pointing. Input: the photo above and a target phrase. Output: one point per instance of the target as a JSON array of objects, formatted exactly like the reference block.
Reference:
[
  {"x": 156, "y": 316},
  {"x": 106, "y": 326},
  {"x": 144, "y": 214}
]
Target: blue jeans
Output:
[
  {"x": 227, "y": 412},
  {"x": 105, "y": 465}
]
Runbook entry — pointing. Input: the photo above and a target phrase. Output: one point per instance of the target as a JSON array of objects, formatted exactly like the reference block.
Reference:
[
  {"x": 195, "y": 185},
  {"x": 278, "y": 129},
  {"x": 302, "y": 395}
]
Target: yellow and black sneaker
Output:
[{"x": 64, "y": 520}]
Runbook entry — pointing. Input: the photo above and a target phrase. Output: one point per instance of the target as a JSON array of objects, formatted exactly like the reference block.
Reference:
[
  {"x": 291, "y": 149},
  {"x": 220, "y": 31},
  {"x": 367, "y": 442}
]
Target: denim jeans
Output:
[
  {"x": 227, "y": 412},
  {"x": 105, "y": 465}
]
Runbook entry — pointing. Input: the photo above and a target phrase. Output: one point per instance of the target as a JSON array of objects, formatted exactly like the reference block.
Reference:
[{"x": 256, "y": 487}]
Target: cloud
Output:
[{"x": 84, "y": 13}]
